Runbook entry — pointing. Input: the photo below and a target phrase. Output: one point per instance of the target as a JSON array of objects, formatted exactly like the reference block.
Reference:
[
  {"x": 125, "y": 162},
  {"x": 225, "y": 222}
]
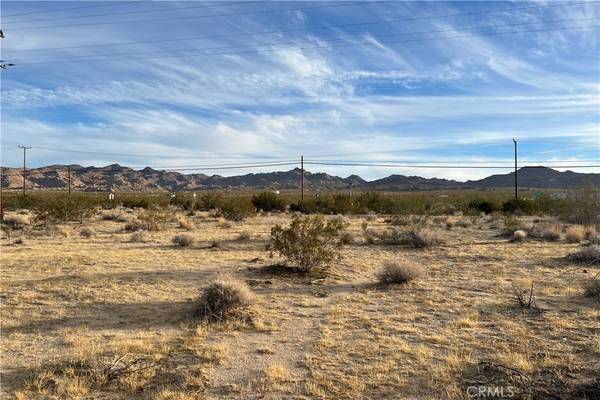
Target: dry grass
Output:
[
  {"x": 592, "y": 289},
  {"x": 586, "y": 255},
  {"x": 73, "y": 308},
  {"x": 183, "y": 240},
  {"x": 397, "y": 273},
  {"x": 224, "y": 299},
  {"x": 244, "y": 236},
  {"x": 185, "y": 223},
  {"x": 114, "y": 215},
  {"x": 519, "y": 235},
  {"x": 575, "y": 233},
  {"x": 551, "y": 232},
  {"x": 16, "y": 221},
  {"x": 86, "y": 232},
  {"x": 139, "y": 237}
]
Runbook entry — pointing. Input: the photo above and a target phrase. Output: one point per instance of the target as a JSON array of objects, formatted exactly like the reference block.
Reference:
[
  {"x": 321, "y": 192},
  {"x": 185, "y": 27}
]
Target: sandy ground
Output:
[{"x": 76, "y": 310}]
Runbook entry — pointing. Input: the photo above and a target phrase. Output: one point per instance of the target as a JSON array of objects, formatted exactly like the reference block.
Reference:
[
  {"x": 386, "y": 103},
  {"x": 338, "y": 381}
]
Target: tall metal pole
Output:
[
  {"x": 301, "y": 178},
  {"x": 516, "y": 179},
  {"x": 24, "y": 164}
]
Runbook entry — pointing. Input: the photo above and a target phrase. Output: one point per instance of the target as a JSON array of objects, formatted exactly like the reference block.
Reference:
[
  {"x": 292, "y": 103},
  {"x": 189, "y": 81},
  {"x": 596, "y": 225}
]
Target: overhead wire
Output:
[
  {"x": 72, "y": 8},
  {"x": 336, "y": 39},
  {"x": 141, "y": 11},
  {"x": 310, "y": 28},
  {"x": 307, "y": 47},
  {"x": 189, "y": 17}
]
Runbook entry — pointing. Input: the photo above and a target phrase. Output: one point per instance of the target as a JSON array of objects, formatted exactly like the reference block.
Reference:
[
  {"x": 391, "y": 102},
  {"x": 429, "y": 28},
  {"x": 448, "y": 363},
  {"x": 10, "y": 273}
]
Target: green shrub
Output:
[
  {"x": 521, "y": 205},
  {"x": 151, "y": 219},
  {"x": 268, "y": 201},
  {"x": 62, "y": 208},
  {"x": 210, "y": 201},
  {"x": 483, "y": 206},
  {"x": 584, "y": 207},
  {"x": 237, "y": 209},
  {"x": 308, "y": 243}
]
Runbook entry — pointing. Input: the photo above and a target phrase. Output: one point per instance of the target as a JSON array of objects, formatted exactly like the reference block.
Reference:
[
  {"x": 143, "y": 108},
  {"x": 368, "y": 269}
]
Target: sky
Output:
[{"x": 183, "y": 85}]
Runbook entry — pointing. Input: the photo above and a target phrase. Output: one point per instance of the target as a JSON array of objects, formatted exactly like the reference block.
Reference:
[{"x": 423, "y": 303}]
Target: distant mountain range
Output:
[{"x": 127, "y": 179}]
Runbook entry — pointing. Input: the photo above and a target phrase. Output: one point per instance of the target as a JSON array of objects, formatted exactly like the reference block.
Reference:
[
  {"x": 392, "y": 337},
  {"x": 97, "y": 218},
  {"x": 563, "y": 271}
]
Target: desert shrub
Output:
[
  {"x": 309, "y": 242},
  {"x": 139, "y": 237},
  {"x": 86, "y": 232},
  {"x": 575, "y": 234},
  {"x": 268, "y": 201},
  {"x": 62, "y": 208},
  {"x": 346, "y": 238},
  {"x": 210, "y": 201},
  {"x": 520, "y": 206},
  {"x": 224, "y": 299},
  {"x": 114, "y": 215},
  {"x": 416, "y": 236},
  {"x": 16, "y": 221},
  {"x": 551, "y": 232},
  {"x": 183, "y": 240},
  {"x": 483, "y": 206},
  {"x": 370, "y": 236},
  {"x": 592, "y": 289},
  {"x": 583, "y": 207},
  {"x": 151, "y": 219},
  {"x": 20, "y": 241},
  {"x": 590, "y": 232},
  {"x": 185, "y": 223},
  {"x": 141, "y": 200},
  {"x": 237, "y": 209},
  {"x": 586, "y": 255},
  {"x": 244, "y": 236},
  {"x": 519, "y": 235},
  {"x": 396, "y": 273},
  {"x": 223, "y": 224}
]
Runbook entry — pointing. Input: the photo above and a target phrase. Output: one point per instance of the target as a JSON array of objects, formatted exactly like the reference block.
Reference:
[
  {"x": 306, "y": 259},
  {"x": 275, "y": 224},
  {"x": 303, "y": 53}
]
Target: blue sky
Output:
[{"x": 415, "y": 89}]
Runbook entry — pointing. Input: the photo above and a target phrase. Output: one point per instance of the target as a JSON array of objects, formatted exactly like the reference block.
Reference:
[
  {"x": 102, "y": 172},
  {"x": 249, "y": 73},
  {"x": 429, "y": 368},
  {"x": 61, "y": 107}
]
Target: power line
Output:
[
  {"x": 310, "y": 28},
  {"x": 72, "y": 8},
  {"x": 141, "y": 11},
  {"x": 251, "y": 166},
  {"x": 105, "y": 169},
  {"x": 322, "y": 40},
  {"x": 446, "y": 166},
  {"x": 196, "y": 16},
  {"x": 258, "y": 51},
  {"x": 119, "y": 154}
]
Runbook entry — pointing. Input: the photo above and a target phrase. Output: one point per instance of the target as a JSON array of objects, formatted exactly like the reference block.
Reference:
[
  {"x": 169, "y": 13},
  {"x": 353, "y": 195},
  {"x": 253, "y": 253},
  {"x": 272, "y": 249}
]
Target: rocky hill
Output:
[{"x": 127, "y": 179}]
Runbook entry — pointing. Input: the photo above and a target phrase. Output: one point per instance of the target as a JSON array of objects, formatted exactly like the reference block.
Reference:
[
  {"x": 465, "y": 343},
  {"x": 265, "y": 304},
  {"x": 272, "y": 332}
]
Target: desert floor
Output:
[{"x": 105, "y": 318}]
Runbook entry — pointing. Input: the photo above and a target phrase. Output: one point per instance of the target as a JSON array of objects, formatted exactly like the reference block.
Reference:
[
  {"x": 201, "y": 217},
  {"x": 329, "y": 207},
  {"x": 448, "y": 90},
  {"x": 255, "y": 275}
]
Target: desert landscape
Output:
[
  {"x": 299, "y": 200},
  {"x": 103, "y": 310}
]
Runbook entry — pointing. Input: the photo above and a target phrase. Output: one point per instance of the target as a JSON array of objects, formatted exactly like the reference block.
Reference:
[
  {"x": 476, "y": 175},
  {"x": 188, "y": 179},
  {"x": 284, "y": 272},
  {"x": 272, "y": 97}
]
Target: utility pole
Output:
[
  {"x": 25, "y": 148},
  {"x": 516, "y": 181},
  {"x": 69, "y": 171},
  {"x": 301, "y": 178}
]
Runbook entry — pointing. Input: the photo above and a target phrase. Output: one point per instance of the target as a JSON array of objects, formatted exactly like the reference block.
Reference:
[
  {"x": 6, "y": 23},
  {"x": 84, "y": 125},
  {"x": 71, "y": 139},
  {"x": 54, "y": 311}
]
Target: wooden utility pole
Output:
[
  {"x": 1, "y": 205},
  {"x": 25, "y": 148},
  {"x": 69, "y": 171},
  {"x": 516, "y": 181},
  {"x": 302, "y": 178}
]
